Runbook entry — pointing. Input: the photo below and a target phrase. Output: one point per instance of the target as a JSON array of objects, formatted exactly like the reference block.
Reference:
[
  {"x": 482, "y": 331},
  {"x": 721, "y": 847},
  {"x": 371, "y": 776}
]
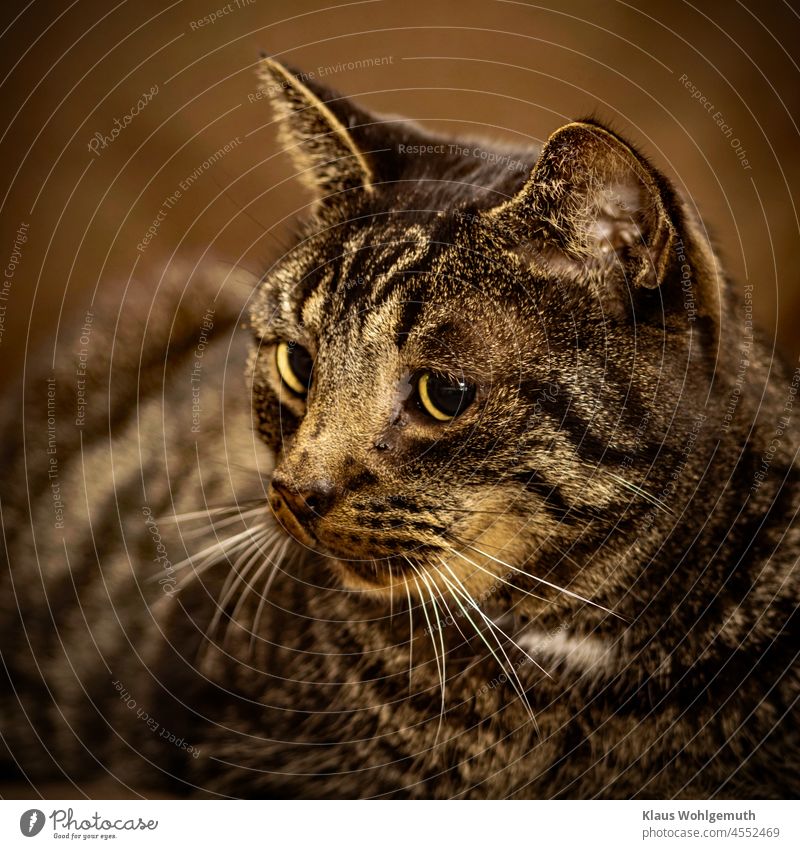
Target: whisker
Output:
[
  {"x": 492, "y": 624},
  {"x": 637, "y": 490},
  {"x": 245, "y": 557},
  {"x": 493, "y": 575},
  {"x": 273, "y": 542},
  {"x": 265, "y": 592},
  {"x": 211, "y": 511},
  {"x": 446, "y": 605},
  {"x": 410, "y": 633},
  {"x": 220, "y": 546},
  {"x": 511, "y": 668},
  {"x": 238, "y": 515},
  {"x": 545, "y": 582},
  {"x": 209, "y": 562},
  {"x": 563, "y": 555},
  {"x": 479, "y": 632},
  {"x": 218, "y": 525},
  {"x": 391, "y": 592},
  {"x": 212, "y": 555},
  {"x": 246, "y": 560},
  {"x": 466, "y": 614},
  {"x": 444, "y": 652},
  {"x": 433, "y": 643},
  {"x": 195, "y": 514}
]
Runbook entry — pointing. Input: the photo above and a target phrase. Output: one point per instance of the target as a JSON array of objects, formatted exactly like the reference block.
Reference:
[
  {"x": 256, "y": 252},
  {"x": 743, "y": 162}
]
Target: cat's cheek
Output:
[
  {"x": 276, "y": 434},
  {"x": 274, "y": 422},
  {"x": 269, "y": 435}
]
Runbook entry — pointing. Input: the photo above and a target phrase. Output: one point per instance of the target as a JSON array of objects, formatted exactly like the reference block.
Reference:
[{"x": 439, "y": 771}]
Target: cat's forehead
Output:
[
  {"x": 371, "y": 257},
  {"x": 423, "y": 282},
  {"x": 422, "y": 261}
]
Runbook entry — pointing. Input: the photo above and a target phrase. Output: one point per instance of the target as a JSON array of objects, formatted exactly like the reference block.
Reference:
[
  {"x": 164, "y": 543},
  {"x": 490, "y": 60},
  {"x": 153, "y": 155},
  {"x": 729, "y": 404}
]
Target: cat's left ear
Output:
[
  {"x": 315, "y": 126},
  {"x": 595, "y": 209}
]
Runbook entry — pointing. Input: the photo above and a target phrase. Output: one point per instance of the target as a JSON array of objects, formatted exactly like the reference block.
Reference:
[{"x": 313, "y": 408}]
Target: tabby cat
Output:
[{"x": 493, "y": 496}]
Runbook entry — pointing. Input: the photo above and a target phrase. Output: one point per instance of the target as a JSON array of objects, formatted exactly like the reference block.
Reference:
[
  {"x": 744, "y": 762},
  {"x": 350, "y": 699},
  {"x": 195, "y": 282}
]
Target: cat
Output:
[{"x": 492, "y": 496}]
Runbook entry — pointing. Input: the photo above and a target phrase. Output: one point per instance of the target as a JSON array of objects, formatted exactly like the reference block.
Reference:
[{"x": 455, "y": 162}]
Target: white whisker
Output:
[
  {"x": 492, "y": 652},
  {"x": 214, "y": 554},
  {"x": 410, "y": 633},
  {"x": 223, "y": 523},
  {"x": 433, "y": 643},
  {"x": 637, "y": 490},
  {"x": 492, "y": 628},
  {"x": 221, "y": 546},
  {"x": 206, "y": 514},
  {"x": 272, "y": 541},
  {"x": 546, "y": 583},
  {"x": 493, "y": 575},
  {"x": 492, "y": 624},
  {"x": 444, "y": 651},
  {"x": 265, "y": 592},
  {"x": 244, "y": 562},
  {"x": 446, "y": 605}
]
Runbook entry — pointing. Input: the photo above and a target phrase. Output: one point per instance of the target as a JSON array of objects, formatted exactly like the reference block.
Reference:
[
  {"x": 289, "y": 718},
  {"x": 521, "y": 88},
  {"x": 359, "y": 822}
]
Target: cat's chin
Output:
[{"x": 381, "y": 577}]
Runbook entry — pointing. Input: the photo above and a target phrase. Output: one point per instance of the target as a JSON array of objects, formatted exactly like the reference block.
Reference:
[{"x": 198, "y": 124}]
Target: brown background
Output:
[{"x": 509, "y": 69}]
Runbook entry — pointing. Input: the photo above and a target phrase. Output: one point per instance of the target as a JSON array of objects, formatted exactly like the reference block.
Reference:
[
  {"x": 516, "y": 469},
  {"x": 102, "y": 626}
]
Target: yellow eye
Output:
[
  {"x": 294, "y": 366},
  {"x": 442, "y": 397}
]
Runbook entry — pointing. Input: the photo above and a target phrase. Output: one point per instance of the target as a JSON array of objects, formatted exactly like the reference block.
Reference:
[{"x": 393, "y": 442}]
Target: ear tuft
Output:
[{"x": 316, "y": 130}]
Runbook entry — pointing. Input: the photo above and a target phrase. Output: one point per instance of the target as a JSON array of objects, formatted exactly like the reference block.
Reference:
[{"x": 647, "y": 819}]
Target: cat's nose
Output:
[{"x": 308, "y": 503}]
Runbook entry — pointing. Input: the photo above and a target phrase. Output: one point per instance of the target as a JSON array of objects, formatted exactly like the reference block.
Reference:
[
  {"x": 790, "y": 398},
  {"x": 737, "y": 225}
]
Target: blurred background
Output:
[{"x": 114, "y": 116}]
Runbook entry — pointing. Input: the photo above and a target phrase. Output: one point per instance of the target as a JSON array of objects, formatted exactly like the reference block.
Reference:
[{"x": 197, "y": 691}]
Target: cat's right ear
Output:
[
  {"x": 594, "y": 211},
  {"x": 315, "y": 128}
]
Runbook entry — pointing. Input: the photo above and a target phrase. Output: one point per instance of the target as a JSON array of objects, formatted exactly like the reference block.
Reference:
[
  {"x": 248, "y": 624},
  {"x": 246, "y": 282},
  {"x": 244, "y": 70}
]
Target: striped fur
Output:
[{"x": 581, "y": 587}]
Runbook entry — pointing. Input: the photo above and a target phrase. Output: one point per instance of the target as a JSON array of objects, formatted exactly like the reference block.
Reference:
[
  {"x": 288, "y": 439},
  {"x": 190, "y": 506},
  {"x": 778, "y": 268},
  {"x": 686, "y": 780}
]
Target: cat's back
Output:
[{"x": 141, "y": 413}]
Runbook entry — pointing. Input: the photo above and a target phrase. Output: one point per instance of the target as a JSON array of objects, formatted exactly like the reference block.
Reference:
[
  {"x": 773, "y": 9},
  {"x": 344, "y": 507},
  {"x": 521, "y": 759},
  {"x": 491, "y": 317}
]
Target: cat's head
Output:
[{"x": 472, "y": 363}]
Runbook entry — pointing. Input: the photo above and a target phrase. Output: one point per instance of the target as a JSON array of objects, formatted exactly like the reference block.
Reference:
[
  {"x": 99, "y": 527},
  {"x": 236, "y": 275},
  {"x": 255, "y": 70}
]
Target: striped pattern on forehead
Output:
[
  {"x": 312, "y": 310},
  {"x": 398, "y": 252},
  {"x": 373, "y": 261}
]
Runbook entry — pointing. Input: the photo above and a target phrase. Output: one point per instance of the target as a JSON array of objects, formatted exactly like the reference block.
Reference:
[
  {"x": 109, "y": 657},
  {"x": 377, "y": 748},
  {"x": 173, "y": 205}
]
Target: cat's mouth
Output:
[
  {"x": 354, "y": 557},
  {"x": 379, "y": 571},
  {"x": 290, "y": 523},
  {"x": 379, "y": 558},
  {"x": 354, "y": 568}
]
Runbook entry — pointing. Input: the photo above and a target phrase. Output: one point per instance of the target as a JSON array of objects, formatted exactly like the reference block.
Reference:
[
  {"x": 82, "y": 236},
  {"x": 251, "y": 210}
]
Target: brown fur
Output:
[{"x": 592, "y": 555}]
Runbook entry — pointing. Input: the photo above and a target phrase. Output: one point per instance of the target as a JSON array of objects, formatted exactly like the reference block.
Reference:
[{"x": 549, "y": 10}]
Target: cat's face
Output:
[
  {"x": 448, "y": 379},
  {"x": 421, "y": 409}
]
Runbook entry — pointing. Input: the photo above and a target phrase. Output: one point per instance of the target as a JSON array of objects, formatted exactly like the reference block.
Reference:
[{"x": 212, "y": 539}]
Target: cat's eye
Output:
[
  {"x": 443, "y": 398},
  {"x": 294, "y": 366}
]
